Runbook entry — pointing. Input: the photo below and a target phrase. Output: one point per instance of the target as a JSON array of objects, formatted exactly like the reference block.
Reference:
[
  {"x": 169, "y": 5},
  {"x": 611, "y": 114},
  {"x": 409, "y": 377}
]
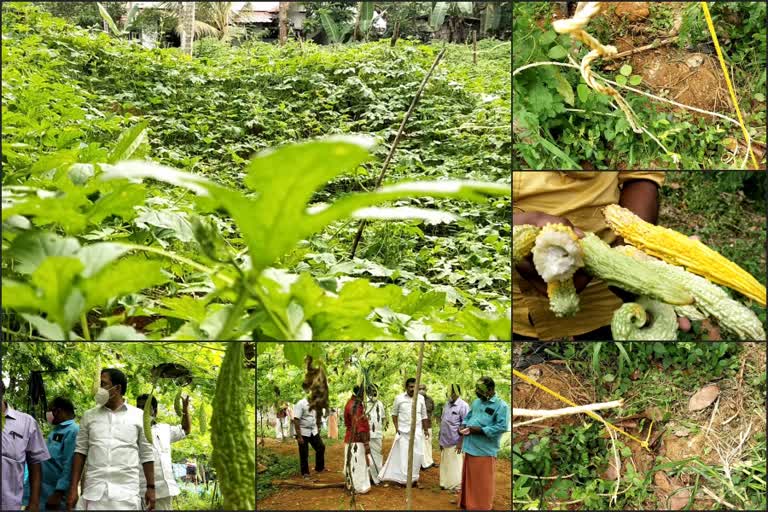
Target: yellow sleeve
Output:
[{"x": 655, "y": 176}]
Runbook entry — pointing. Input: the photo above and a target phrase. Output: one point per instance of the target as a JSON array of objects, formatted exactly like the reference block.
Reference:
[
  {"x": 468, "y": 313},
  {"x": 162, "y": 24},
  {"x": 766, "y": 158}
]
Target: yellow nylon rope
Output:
[
  {"x": 728, "y": 80},
  {"x": 593, "y": 414}
]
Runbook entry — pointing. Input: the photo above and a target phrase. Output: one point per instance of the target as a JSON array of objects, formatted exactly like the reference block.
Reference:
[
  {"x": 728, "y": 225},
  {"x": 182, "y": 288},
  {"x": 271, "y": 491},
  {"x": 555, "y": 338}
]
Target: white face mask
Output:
[{"x": 102, "y": 396}]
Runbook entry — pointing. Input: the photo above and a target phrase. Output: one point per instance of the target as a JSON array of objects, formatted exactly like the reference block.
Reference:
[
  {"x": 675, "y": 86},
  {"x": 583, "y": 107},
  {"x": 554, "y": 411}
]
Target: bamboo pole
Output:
[{"x": 397, "y": 139}]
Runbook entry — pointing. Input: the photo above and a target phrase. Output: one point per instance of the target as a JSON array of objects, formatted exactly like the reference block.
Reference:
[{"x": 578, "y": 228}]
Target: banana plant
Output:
[
  {"x": 118, "y": 32},
  {"x": 336, "y": 31}
]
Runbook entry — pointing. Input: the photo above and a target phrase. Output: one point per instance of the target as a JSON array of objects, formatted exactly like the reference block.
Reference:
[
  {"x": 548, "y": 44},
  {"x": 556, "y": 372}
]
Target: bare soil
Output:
[{"x": 428, "y": 497}]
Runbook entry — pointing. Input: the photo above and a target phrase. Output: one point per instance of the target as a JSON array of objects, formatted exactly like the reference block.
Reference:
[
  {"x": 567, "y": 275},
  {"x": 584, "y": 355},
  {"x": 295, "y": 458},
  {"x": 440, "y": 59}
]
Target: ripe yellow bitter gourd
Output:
[
  {"x": 523, "y": 239},
  {"x": 678, "y": 249},
  {"x": 231, "y": 436}
]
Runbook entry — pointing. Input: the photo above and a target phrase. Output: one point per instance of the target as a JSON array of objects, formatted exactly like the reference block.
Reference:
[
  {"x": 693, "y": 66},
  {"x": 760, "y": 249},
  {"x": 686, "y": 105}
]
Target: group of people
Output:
[
  {"x": 107, "y": 455},
  {"x": 469, "y": 440}
]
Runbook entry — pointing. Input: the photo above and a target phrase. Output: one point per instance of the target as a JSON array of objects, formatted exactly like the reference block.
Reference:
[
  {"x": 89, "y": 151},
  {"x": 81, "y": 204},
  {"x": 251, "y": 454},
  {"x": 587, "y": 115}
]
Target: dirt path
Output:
[{"x": 429, "y": 497}]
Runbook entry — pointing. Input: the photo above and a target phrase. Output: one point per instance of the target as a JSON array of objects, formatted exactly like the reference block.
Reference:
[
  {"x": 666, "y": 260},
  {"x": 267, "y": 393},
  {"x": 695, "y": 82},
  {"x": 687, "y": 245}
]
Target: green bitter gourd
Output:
[
  {"x": 148, "y": 418},
  {"x": 177, "y": 404},
  {"x": 202, "y": 420},
  {"x": 231, "y": 436}
]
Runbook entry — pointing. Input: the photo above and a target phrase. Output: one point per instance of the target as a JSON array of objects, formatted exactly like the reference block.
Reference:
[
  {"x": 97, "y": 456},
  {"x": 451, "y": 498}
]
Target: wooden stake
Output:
[
  {"x": 397, "y": 139},
  {"x": 474, "y": 47}
]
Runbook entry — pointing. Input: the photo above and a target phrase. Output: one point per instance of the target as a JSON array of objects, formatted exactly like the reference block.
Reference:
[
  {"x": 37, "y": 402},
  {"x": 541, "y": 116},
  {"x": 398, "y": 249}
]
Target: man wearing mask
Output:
[
  {"x": 396, "y": 467},
  {"x": 428, "y": 461},
  {"x": 481, "y": 431},
  {"x": 163, "y": 435},
  {"x": 112, "y": 441},
  {"x": 451, "y": 461},
  {"x": 21, "y": 442},
  {"x": 377, "y": 418},
  {"x": 57, "y": 471}
]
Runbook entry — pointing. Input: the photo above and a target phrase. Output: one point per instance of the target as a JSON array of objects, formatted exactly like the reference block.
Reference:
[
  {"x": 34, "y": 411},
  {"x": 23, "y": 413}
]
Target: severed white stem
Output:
[{"x": 565, "y": 411}]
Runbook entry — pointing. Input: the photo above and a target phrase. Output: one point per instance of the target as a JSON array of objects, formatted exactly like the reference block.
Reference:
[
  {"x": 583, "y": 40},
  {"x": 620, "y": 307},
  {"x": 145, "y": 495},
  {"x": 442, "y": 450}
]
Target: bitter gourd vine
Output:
[{"x": 233, "y": 456}]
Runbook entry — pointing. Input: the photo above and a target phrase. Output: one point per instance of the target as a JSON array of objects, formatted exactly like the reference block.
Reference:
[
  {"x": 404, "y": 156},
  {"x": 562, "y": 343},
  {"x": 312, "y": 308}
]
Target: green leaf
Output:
[
  {"x": 759, "y": 96},
  {"x": 128, "y": 143},
  {"x": 120, "y": 333},
  {"x": 96, "y": 256},
  {"x": 120, "y": 202},
  {"x": 46, "y": 329},
  {"x": 547, "y": 37},
  {"x": 60, "y": 160},
  {"x": 184, "y": 307},
  {"x": 626, "y": 70},
  {"x": 437, "y": 17},
  {"x": 635, "y": 79},
  {"x": 621, "y": 80},
  {"x": 296, "y": 352},
  {"x": 105, "y": 15},
  {"x": 564, "y": 88},
  {"x": 55, "y": 278},
  {"x": 285, "y": 180},
  {"x": 128, "y": 275},
  {"x": 366, "y": 16},
  {"x": 20, "y": 296},
  {"x": 330, "y": 26},
  {"x": 176, "y": 222},
  {"x": 583, "y": 91},
  {"x": 30, "y": 249},
  {"x": 557, "y": 52}
]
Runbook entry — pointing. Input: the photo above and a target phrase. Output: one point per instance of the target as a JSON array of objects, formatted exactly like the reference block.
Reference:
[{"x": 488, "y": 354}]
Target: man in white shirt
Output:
[
  {"x": 307, "y": 432},
  {"x": 377, "y": 418},
  {"x": 396, "y": 467},
  {"x": 111, "y": 439},
  {"x": 163, "y": 435}
]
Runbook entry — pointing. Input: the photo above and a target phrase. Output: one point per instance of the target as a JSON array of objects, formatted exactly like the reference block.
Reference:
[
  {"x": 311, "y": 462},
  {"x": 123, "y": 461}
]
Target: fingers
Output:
[
  {"x": 528, "y": 272},
  {"x": 581, "y": 279},
  {"x": 684, "y": 323}
]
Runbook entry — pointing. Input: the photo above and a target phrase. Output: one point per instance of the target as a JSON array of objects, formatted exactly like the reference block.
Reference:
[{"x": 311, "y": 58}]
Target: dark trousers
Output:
[{"x": 318, "y": 446}]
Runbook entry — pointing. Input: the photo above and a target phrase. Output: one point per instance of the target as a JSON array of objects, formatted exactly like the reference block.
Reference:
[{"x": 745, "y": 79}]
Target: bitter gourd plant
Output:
[
  {"x": 233, "y": 451},
  {"x": 632, "y": 321},
  {"x": 557, "y": 255},
  {"x": 630, "y": 274},
  {"x": 678, "y": 249},
  {"x": 523, "y": 238},
  {"x": 710, "y": 299}
]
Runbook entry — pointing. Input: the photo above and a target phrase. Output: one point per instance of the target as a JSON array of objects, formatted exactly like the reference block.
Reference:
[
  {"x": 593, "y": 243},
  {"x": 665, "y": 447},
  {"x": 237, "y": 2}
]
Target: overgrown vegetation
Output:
[
  {"x": 68, "y": 94},
  {"x": 561, "y": 123},
  {"x": 565, "y": 466}
]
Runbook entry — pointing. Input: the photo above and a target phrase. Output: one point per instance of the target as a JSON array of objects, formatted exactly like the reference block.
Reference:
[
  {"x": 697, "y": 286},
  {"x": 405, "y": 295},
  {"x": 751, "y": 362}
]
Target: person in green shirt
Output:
[{"x": 481, "y": 436}]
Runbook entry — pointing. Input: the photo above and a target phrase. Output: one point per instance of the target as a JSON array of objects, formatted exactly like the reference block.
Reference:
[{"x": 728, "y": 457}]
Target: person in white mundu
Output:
[{"x": 396, "y": 467}]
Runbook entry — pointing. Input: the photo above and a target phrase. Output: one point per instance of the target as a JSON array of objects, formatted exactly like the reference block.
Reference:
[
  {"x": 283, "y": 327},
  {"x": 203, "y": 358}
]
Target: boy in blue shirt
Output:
[{"x": 481, "y": 435}]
